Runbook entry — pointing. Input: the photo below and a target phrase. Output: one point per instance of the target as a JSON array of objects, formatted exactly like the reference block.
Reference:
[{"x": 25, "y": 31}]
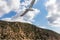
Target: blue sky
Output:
[
  {"x": 12, "y": 13},
  {"x": 42, "y": 15},
  {"x": 40, "y": 19}
]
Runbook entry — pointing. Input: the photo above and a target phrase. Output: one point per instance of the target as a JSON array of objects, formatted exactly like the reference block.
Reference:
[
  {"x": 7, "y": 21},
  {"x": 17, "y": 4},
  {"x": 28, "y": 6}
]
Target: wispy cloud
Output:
[
  {"x": 53, "y": 8},
  {"x": 7, "y": 6}
]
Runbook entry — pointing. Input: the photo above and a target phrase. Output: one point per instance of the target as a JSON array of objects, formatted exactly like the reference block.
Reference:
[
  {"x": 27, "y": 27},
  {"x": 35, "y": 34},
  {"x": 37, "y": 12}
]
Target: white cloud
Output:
[
  {"x": 43, "y": 27},
  {"x": 53, "y": 8},
  {"x": 8, "y": 5},
  {"x": 28, "y": 18},
  {"x": 31, "y": 14},
  {"x": 3, "y": 8},
  {"x": 14, "y": 4},
  {"x": 27, "y": 2},
  {"x": 18, "y": 7},
  {"x": 17, "y": 20}
]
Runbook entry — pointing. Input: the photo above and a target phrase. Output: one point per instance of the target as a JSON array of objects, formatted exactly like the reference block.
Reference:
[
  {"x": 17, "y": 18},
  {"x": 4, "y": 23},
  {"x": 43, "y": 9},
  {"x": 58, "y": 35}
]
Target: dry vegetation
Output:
[{"x": 25, "y": 31}]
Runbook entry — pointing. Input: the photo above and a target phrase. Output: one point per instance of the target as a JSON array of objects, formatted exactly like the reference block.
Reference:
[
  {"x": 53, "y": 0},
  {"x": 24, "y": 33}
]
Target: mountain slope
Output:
[{"x": 25, "y": 31}]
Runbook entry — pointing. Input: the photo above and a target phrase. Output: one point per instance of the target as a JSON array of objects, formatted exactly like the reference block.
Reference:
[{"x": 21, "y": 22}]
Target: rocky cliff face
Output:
[{"x": 25, "y": 31}]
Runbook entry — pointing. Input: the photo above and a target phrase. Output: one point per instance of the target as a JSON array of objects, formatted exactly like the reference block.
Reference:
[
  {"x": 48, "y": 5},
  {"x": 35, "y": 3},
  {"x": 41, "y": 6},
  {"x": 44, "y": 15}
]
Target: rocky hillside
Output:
[{"x": 25, "y": 31}]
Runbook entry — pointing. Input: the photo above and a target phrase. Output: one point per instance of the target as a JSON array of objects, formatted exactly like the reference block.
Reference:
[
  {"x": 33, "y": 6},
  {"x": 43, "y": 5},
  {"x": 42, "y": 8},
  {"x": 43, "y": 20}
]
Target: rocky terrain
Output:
[{"x": 25, "y": 31}]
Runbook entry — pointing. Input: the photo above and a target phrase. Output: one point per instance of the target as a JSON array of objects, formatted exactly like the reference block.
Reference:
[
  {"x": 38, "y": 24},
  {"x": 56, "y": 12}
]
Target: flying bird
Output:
[{"x": 29, "y": 9}]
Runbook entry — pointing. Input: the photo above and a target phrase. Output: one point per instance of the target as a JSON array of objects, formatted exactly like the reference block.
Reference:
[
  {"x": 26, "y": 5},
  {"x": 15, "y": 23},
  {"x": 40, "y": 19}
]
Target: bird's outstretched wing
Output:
[
  {"x": 29, "y": 9},
  {"x": 31, "y": 4},
  {"x": 24, "y": 12}
]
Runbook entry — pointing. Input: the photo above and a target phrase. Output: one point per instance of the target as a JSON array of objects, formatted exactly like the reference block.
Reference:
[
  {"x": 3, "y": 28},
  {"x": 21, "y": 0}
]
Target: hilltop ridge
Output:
[{"x": 25, "y": 31}]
